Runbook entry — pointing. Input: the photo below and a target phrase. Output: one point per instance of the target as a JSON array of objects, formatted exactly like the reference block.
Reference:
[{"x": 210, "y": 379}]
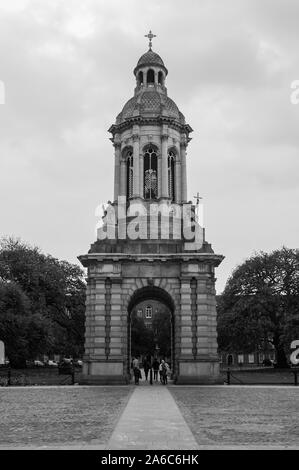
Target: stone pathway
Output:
[{"x": 151, "y": 420}]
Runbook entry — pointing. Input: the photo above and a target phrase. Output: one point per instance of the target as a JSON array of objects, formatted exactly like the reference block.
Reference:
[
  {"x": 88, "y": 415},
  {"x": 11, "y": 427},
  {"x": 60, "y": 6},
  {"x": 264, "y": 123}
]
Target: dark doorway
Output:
[{"x": 151, "y": 326}]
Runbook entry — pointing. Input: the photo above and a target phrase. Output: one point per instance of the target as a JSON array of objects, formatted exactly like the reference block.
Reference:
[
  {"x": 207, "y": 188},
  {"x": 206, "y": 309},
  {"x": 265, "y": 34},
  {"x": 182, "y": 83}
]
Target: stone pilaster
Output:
[
  {"x": 117, "y": 154},
  {"x": 117, "y": 333},
  {"x": 183, "y": 171},
  {"x": 141, "y": 175},
  {"x": 123, "y": 178},
  {"x": 203, "y": 332},
  {"x": 136, "y": 188},
  {"x": 186, "y": 320},
  {"x": 194, "y": 316},
  {"x": 159, "y": 175},
  {"x": 178, "y": 182},
  {"x": 164, "y": 188}
]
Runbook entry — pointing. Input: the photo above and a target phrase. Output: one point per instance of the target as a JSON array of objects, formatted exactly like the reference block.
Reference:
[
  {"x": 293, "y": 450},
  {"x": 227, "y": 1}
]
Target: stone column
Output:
[
  {"x": 186, "y": 320},
  {"x": 98, "y": 323},
  {"x": 116, "y": 170},
  {"x": 164, "y": 189},
  {"x": 202, "y": 323},
  {"x": 141, "y": 175},
  {"x": 178, "y": 181},
  {"x": 136, "y": 190},
  {"x": 123, "y": 178},
  {"x": 89, "y": 321},
  {"x": 159, "y": 175},
  {"x": 116, "y": 330},
  {"x": 183, "y": 171}
]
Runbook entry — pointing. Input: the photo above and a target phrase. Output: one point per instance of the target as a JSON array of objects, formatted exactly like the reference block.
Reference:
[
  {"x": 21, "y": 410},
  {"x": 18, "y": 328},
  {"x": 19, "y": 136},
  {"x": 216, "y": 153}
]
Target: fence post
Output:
[
  {"x": 73, "y": 377},
  {"x": 151, "y": 376},
  {"x": 228, "y": 376},
  {"x": 9, "y": 376},
  {"x": 295, "y": 377}
]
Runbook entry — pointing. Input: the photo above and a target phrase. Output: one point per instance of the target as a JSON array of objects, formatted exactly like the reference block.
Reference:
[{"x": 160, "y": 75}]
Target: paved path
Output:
[{"x": 151, "y": 420}]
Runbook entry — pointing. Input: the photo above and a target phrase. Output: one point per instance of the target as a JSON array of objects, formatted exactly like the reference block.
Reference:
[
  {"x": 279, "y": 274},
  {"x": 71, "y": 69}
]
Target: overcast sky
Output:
[{"x": 67, "y": 67}]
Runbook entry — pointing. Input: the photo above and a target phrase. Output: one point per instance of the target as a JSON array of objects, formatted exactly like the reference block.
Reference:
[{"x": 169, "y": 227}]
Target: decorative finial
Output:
[
  {"x": 150, "y": 35},
  {"x": 198, "y": 198}
]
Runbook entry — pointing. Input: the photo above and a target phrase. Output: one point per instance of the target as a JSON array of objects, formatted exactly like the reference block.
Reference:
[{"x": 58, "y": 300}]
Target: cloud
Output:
[{"x": 68, "y": 70}]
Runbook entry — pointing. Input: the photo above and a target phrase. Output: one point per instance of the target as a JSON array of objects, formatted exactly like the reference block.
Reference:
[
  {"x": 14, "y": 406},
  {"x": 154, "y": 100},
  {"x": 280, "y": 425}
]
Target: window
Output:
[
  {"x": 129, "y": 174},
  {"x": 251, "y": 358},
  {"x": 139, "y": 313},
  {"x": 148, "y": 312},
  {"x": 150, "y": 174},
  {"x": 240, "y": 358},
  {"x": 171, "y": 160},
  {"x": 160, "y": 78},
  {"x": 140, "y": 78},
  {"x": 230, "y": 360},
  {"x": 150, "y": 78}
]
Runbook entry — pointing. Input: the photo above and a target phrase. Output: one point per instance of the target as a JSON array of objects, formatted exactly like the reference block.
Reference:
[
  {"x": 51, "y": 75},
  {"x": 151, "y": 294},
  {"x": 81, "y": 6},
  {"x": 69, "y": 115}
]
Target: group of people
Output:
[{"x": 159, "y": 368}]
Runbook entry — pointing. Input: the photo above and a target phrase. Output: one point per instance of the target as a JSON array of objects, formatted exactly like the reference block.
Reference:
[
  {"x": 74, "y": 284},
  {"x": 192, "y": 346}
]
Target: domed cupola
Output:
[
  {"x": 150, "y": 137},
  {"x": 150, "y": 98}
]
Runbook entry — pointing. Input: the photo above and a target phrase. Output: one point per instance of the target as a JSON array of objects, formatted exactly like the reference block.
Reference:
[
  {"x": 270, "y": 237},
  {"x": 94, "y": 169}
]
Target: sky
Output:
[{"x": 66, "y": 71}]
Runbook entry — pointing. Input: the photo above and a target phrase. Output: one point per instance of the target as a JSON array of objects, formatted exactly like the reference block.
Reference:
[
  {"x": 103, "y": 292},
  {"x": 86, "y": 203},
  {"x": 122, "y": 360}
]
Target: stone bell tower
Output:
[{"x": 146, "y": 253}]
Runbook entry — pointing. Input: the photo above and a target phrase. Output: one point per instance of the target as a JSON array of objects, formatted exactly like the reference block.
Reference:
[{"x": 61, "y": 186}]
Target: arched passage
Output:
[{"x": 146, "y": 297}]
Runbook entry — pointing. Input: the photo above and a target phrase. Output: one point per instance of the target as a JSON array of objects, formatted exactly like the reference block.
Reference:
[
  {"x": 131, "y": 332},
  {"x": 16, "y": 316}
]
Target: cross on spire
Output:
[
  {"x": 150, "y": 36},
  {"x": 197, "y": 197}
]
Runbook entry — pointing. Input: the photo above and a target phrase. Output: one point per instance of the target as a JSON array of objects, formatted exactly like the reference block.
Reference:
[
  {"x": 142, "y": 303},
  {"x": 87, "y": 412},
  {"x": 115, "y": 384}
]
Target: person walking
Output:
[
  {"x": 156, "y": 369},
  {"x": 163, "y": 372},
  {"x": 136, "y": 370},
  {"x": 167, "y": 372},
  {"x": 146, "y": 367}
]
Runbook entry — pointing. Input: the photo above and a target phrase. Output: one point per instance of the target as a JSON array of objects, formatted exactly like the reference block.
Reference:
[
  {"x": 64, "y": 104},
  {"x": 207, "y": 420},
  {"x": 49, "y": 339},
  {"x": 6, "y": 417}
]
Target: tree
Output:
[
  {"x": 25, "y": 335},
  {"x": 55, "y": 299},
  {"x": 162, "y": 331},
  {"x": 260, "y": 304}
]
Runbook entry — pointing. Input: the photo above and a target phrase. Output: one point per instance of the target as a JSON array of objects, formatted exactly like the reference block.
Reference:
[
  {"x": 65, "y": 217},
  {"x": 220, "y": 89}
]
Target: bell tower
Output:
[{"x": 150, "y": 245}]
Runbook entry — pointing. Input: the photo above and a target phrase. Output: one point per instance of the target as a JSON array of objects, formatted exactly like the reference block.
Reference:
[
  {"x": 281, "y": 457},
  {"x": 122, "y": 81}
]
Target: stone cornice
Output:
[
  {"x": 158, "y": 120},
  {"x": 149, "y": 257}
]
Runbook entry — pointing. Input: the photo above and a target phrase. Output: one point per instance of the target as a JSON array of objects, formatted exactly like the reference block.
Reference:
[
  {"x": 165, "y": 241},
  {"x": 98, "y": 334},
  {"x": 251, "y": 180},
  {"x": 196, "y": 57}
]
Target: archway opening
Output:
[
  {"x": 151, "y": 327},
  {"x": 140, "y": 78},
  {"x": 150, "y": 78},
  {"x": 160, "y": 78}
]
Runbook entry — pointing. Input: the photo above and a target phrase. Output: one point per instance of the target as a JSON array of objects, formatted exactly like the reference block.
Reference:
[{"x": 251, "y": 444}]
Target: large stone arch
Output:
[
  {"x": 162, "y": 284},
  {"x": 160, "y": 290}
]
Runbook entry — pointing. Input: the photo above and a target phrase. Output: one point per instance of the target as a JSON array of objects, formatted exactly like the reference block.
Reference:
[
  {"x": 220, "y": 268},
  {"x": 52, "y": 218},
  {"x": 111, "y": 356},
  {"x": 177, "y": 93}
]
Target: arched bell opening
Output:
[
  {"x": 150, "y": 77},
  {"x": 140, "y": 79}
]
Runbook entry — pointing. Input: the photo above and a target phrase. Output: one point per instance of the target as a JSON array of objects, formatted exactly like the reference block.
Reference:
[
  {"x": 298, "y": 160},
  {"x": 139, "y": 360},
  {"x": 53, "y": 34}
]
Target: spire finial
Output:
[{"x": 150, "y": 36}]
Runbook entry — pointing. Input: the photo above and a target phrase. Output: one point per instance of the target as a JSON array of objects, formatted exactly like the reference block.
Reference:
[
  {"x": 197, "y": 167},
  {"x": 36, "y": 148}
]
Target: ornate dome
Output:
[
  {"x": 150, "y": 58},
  {"x": 150, "y": 103}
]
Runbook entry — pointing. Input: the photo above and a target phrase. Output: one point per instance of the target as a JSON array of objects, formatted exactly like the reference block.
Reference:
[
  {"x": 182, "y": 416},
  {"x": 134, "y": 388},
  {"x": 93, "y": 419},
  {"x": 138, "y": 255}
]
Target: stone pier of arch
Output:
[{"x": 184, "y": 282}]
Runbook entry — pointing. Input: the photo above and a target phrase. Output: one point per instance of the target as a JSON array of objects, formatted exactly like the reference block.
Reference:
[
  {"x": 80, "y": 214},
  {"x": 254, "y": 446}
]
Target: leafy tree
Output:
[
  {"x": 55, "y": 297},
  {"x": 260, "y": 304},
  {"x": 25, "y": 335},
  {"x": 162, "y": 331}
]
